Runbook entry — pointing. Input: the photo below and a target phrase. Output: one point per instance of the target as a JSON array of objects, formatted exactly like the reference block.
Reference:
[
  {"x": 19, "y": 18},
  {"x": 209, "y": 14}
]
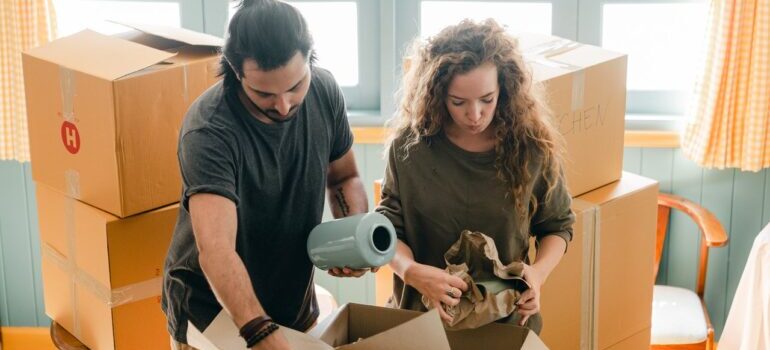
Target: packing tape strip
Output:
[
  {"x": 578, "y": 88},
  {"x": 542, "y": 54},
  {"x": 596, "y": 265},
  {"x": 552, "y": 48},
  {"x": 589, "y": 286},
  {"x": 69, "y": 265},
  {"x": 72, "y": 183},
  {"x": 185, "y": 92},
  {"x": 111, "y": 297},
  {"x": 67, "y": 88}
]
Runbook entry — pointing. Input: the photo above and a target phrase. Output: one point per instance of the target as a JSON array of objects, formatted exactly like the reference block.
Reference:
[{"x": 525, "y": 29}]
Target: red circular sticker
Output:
[{"x": 70, "y": 137}]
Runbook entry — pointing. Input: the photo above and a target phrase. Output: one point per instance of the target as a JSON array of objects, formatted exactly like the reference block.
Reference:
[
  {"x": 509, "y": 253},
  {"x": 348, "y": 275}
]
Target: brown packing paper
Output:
[
  {"x": 101, "y": 274},
  {"x": 493, "y": 288},
  {"x": 105, "y": 133}
]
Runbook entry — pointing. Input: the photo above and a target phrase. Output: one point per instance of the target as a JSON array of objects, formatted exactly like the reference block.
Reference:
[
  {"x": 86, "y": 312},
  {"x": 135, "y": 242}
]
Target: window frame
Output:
[
  {"x": 363, "y": 97},
  {"x": 190, "y": 11},
  {"x": 387, "y": 27}
]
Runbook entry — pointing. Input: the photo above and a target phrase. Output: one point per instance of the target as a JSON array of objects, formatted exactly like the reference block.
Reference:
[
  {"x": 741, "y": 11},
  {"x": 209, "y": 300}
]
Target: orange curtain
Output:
[
  {"x": 23, "y": 24},
  {"x": 728, "y": 124}
]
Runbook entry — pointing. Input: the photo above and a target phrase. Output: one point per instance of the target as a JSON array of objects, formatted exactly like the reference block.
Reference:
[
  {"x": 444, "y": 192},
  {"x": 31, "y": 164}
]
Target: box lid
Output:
[
  {"x": 100, "y": 55},
  {"x": 630, "y": 183},
  {"x": 112, "y": 57},
  {"x": 182, "y": 35},
  {"x": 382, "y": 328},
  {"x": 553, "y": 56}
]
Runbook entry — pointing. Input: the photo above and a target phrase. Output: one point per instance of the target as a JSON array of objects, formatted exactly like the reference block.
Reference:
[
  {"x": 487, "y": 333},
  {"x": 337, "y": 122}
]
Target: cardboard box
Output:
[
  {"x": 600, "y": 294},
  {"x": 102, "y": 275},
  {"x": 386, "y": 328},
  {"x": 105, "y": 112},
  {"x": 586, "y": 90},
  {"x": 639, "y": 340}
]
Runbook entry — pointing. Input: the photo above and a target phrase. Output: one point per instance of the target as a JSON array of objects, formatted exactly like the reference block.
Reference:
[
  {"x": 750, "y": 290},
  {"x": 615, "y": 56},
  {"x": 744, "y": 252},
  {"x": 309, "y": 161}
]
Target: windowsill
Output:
[
  {"x": 642, "y": 130},
  {"x": 366, "y": 118}
]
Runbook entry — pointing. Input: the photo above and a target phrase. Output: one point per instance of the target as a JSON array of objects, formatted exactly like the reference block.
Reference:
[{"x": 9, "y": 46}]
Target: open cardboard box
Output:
[
  {"x": 356, "y": 326},
  {"x": 105, "y": 113}
]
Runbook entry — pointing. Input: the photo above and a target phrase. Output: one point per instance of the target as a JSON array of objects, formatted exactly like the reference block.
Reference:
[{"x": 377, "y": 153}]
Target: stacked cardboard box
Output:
[
  {"x": 104, "y": 117},
  {"x": 600, "y": 295}
]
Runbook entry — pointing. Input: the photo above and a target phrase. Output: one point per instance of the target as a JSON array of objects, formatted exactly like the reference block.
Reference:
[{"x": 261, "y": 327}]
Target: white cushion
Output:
[
  {"x": 326, "y": 302},
  {"x": 677, "y": 316}
]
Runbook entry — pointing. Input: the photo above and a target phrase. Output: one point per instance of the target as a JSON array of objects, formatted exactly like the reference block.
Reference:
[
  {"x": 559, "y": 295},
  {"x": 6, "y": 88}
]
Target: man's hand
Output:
[{"x": 349, "y": 272}]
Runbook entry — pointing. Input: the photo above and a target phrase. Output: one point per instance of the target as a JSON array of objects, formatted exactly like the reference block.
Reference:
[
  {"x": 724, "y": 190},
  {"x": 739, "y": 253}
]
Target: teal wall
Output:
[{"x": 740, "y": 200}]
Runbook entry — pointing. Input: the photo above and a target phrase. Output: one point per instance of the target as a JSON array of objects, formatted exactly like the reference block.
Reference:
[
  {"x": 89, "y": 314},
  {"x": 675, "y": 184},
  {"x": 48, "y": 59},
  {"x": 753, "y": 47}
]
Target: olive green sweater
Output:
[{"x": 440, "y": 189}]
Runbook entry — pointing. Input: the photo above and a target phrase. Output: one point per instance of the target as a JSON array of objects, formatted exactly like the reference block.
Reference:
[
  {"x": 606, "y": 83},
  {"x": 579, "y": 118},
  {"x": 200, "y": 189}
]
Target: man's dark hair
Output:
[{"x": 270, "y": 32}]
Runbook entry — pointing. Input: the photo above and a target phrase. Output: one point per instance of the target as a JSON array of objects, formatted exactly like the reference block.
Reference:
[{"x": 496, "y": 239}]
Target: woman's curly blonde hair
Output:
[{"x": 523, "y": 129}]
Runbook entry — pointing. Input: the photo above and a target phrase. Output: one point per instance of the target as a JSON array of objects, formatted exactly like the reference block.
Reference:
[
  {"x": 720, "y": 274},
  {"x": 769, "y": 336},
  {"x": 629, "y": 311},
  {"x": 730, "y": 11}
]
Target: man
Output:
[{"x": 256, "y": 153}]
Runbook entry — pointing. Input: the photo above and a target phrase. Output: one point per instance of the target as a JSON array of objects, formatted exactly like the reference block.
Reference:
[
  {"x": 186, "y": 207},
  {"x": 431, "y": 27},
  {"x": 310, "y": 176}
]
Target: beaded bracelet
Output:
[
  {"x": 252, "y": 327},
  {"x": 261, "y": 335}
]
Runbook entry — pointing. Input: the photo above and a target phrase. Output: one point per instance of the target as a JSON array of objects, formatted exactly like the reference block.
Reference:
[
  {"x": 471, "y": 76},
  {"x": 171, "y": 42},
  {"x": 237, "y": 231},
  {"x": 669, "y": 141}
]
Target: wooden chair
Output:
[
  {"x": 679, "y": 318},
  {"x": 63, "y": 340}
]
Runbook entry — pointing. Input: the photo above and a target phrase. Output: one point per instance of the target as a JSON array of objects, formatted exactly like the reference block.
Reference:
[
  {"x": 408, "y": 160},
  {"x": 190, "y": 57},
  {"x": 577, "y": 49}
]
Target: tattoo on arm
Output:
[{"x": 342, "y": 203}]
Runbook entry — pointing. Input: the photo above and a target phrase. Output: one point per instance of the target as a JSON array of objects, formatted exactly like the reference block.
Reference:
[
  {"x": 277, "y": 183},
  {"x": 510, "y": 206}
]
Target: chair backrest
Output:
[
  {"x": 712, "y": 232},
  {"x": 63, "y": 340}
]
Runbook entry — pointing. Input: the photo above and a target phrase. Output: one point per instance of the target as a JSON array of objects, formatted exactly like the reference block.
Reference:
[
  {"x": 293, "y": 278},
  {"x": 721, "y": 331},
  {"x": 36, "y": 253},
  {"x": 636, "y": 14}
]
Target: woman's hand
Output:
[
  {"x": 436, "y": 285},
  {"x": 529, "y": 302}
]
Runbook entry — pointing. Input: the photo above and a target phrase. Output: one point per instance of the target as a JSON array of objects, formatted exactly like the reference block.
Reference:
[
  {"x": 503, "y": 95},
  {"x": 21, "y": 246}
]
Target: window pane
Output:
[
  {"x": 663, "y": 42},
  {"x": 334, "y": 26},
  {"x": 517, "y": 16},
  {"x": 75, "y": 15}
]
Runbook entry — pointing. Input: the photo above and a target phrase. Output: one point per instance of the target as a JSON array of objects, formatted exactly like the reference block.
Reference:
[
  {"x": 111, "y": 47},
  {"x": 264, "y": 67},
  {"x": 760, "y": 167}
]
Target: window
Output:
[
  {"x": 336, "y": 42},
  {"x": 516, "y": 16},
  {"x": 664, "y": 42},
  {"x": 337, "y": 45},
  {"x": 362, "y": 42},
  {"x": 75, "y": 15}
]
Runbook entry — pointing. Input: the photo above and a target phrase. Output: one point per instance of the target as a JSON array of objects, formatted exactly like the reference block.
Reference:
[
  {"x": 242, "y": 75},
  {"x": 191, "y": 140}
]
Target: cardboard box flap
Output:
[
  {"x": 186, "y": 36},
  {"x": 355, "y": 326},
  {"x": 631, "y": 183},
  {"x": 99, "y": 55},
  {"x": 422, "y": 332},
  {"x": 533, "y": 342},
  {"x": 495, "y": 336}
]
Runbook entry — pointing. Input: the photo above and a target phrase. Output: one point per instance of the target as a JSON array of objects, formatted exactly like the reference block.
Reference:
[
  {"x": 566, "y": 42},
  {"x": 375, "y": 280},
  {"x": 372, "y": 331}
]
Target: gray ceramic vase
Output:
[{"x": 359, "y": 241}]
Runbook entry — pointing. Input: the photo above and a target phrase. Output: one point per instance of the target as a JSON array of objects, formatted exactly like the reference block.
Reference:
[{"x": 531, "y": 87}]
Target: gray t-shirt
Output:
[{"x": 276, "y": 175}]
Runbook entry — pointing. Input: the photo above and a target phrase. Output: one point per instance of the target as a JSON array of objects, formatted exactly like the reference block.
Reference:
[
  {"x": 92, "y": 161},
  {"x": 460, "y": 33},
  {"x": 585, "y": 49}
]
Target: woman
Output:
[{"x": 473, "y": 149}]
